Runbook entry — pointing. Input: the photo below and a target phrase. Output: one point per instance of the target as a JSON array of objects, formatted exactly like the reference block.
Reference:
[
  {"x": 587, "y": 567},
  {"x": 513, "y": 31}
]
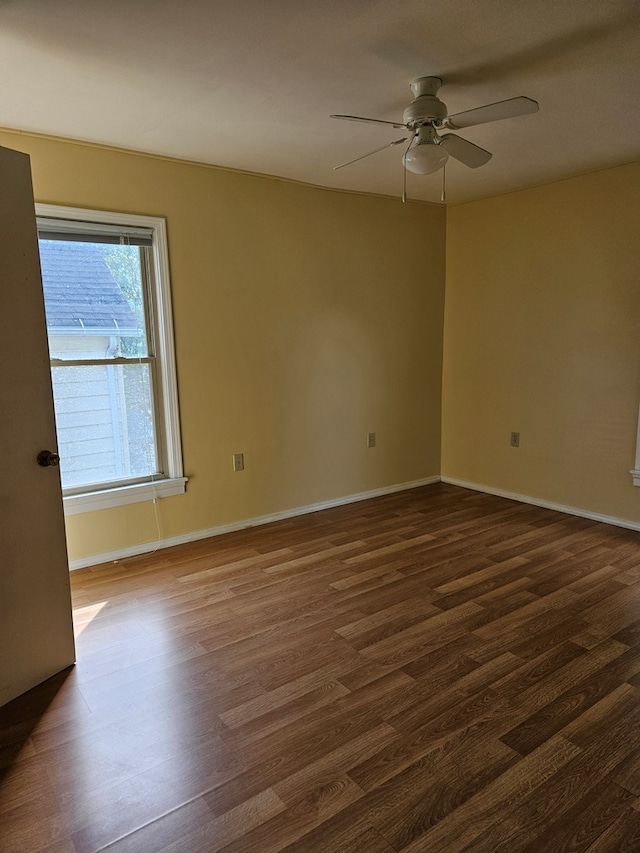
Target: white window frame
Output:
[
  {"x": 172, "y": 480},
  {"x": 635, "y": 472}
]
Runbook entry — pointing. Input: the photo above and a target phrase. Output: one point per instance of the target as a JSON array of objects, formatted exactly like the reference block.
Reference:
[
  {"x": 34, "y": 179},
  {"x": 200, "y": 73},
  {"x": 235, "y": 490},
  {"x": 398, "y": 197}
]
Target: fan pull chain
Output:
[
  {"x": 443, "y": 196},
  {"x": 404, "y": 180}
]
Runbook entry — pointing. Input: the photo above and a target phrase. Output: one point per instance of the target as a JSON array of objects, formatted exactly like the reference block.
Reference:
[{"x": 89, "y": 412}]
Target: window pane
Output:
[
  {"x": 104, "y": 419},
  {"x": 94, "y": 299}
]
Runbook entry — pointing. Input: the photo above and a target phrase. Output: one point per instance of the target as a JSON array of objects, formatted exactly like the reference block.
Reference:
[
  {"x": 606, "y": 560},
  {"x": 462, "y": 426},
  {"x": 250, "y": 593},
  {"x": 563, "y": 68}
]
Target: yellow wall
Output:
[
  {"x": 304, "y": 319},
  {"x": 542, "y": 323}
]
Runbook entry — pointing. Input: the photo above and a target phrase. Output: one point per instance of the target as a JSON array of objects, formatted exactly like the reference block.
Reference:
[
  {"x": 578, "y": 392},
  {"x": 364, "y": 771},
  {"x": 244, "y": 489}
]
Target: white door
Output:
[{"x": 36, "y": 636}]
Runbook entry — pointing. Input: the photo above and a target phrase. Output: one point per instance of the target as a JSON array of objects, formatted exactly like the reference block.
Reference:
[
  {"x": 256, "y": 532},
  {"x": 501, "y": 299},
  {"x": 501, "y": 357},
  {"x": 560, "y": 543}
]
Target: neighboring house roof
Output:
[{"x": 81, "y": 295}]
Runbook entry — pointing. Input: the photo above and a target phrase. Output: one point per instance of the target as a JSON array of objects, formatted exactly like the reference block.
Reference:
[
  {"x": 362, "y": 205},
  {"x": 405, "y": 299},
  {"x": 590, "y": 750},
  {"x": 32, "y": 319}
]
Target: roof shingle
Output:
[{"x": 80, "y": 292}]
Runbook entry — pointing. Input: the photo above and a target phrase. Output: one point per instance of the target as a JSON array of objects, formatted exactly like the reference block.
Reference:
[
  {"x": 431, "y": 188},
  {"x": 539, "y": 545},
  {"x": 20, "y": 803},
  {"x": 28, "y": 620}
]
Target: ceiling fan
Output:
[{"x": 426, "y": 115}]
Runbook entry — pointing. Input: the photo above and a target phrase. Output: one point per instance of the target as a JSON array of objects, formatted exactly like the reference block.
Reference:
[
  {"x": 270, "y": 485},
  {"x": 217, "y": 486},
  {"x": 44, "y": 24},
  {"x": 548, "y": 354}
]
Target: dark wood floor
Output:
[{"x": 436, "y": 670}]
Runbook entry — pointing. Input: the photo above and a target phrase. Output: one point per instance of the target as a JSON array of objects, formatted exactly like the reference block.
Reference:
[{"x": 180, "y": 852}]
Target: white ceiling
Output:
[{"x": 250, "y": 85}]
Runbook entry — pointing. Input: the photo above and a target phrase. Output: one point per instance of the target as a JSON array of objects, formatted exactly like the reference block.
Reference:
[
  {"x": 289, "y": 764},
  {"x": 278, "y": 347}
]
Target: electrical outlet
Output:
[
  {"x": 371, "y": 439},
  {"x": 238, "y": 461},
  {"x": 515, "y": 439}
]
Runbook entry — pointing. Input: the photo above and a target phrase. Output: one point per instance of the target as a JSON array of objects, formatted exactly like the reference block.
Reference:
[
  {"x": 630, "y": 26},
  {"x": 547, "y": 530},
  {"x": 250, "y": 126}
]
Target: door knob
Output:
[{"x": 47, "y": 457}]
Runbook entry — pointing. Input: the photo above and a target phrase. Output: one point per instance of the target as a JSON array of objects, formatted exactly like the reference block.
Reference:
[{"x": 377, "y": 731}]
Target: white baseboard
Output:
[
  {"x": 194, "y": 535},
  {"x": 568, "y": 510}
]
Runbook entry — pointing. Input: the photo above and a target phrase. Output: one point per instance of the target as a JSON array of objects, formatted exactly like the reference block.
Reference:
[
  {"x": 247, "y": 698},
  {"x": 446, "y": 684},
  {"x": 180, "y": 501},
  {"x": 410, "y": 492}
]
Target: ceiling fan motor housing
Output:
[{"x": 426, "y": 106}]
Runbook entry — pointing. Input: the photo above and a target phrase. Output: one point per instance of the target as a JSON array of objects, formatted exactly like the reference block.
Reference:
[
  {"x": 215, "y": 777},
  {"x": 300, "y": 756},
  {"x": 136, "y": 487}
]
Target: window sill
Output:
[{"x": 91, "y": 501}]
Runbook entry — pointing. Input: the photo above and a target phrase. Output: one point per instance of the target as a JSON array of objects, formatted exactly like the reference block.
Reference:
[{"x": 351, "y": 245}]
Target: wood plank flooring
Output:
[{"x": 434, "y": 670}]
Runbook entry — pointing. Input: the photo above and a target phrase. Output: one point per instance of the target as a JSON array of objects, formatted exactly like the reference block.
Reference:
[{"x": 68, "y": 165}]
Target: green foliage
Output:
[{"x": 124, "y": 265}]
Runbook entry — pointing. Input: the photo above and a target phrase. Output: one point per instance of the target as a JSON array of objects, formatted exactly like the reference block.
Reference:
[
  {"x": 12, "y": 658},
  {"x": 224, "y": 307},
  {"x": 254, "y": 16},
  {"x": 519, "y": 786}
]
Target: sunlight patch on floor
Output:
[{"x": 83, "y": 616}]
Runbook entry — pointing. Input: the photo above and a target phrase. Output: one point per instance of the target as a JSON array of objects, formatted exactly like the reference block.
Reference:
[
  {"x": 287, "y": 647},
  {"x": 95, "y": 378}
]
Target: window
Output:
[{"x": 106, "y": 290}]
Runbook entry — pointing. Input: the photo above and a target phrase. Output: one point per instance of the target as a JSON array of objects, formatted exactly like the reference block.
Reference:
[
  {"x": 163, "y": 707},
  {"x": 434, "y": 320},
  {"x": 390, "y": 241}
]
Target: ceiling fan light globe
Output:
[{"x": 426, "y": 159}]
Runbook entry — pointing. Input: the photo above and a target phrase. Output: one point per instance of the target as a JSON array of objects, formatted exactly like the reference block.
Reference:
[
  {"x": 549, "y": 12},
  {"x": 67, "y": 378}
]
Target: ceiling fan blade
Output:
[
  {"x": 369, "y": 120},
  {"x": 369, "y": 153},
  {"x": 464, "y": 151},
  {"x": 510, "y": 108}
]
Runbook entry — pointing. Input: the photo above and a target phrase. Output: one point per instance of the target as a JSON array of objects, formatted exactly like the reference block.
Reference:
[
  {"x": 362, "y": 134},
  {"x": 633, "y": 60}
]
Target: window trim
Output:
[
  {"x": 635, "y": 472},
  {"x": 172, "y": 481}
]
